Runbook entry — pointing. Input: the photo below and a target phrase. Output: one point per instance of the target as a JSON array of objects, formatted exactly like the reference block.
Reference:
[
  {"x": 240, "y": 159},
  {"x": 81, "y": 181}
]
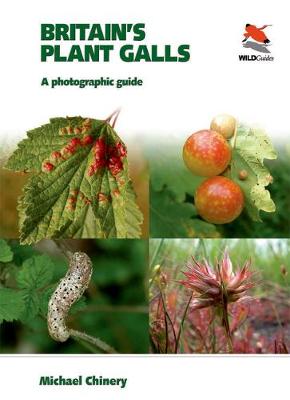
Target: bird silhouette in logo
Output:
[{"x": 256, "y": 33}]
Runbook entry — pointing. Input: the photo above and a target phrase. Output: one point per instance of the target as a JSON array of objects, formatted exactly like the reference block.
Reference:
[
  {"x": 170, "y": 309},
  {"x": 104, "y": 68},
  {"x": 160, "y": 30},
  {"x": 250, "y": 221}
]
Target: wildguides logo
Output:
[{"x": 256, "y": 39}]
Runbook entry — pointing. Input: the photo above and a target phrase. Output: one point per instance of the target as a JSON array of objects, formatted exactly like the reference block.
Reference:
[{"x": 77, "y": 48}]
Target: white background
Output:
[
  {"x": 150, "y": 377},
  {"x": 177, "y": 98}
]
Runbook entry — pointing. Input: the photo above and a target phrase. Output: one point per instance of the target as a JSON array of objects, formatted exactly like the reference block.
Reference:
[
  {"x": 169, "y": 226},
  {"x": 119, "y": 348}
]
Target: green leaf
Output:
[
  {"x": 170, "y": 218},
  {"x": 44, "y": 299},
  {"x": 252, "y": 147},
  {"x": 32, "y": 304},
  {"x": 6, "y": 254},
  {"x": 36, "y": 272},
  {"x": 80, "y": 186},
  {"x": 198, "y": 228},
  {"x": 11, "y": 305},
  {"x": 168, "y": 170}
]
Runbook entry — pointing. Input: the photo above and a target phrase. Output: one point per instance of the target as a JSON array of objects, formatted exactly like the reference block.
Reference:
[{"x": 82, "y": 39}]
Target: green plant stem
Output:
[
  {"x": 62, "y": 246},
  {"x": 167, "y": 316},
  {"x": 181, "y": 325},
  {"x": 98, "y": 343},
  {"x": 226, "y": 325}
]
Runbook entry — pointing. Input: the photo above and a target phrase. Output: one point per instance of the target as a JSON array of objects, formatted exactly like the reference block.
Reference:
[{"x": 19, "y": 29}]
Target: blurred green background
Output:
[
  {"x": 114, "y": 308},
  {"x": 269, "y": 256}
]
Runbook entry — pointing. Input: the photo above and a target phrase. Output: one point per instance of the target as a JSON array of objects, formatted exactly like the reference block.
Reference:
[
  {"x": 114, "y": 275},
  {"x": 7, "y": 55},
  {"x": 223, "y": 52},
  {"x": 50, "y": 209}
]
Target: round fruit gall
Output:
[
  {"x": 243, "y": 175},
  {"x": 206, "y": 153},
  {"x": 219, "y": 200},
  {"x": 224, "y": 124}
]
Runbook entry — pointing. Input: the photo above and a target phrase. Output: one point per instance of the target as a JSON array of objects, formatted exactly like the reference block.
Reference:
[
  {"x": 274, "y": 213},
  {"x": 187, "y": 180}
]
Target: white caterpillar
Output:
[{"x": 69, "y": 290}]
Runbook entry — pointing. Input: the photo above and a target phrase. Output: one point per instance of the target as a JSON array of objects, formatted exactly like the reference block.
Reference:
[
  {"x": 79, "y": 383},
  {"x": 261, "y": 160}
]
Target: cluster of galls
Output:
[
  {"x": 73, "y": 197},
  {"x": 77, "y": 130},
  {"x": 71, "y": 147},
  {"x": 207, "y": 153},
  {"x": 107, "y": 156}
]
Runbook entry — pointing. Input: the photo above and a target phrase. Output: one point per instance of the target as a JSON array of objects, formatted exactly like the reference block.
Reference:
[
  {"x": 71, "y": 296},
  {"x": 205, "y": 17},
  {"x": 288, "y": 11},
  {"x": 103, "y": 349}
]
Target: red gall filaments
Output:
[{"x": 215, "y": 286}]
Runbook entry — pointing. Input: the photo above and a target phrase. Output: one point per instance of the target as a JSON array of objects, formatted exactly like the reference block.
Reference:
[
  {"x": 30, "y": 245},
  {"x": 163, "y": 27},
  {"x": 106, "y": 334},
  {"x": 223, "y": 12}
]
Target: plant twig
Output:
[
  {"x": 62, "y": 246},
  {"x": 112, "y": 119},
  {"x": 167, "y": 316},
  {"x": 104, "y": 347},
  {"x": 181, "y": 325}
]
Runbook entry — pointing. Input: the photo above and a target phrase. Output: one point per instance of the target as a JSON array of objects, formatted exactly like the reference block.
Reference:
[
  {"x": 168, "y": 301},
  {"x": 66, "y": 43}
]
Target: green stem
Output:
[
  {"x": 167, "y": 316},
  {"x": 98, "y": 343},
  {"x": 226, "y": 325},
  {"x": 181, "y": 325}
]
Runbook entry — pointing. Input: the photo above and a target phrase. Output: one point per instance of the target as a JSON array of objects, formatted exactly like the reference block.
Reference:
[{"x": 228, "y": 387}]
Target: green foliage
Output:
[
  {"x": 113, "y": 308},
  {"x": 167, "y": 169},
  {"x": 11, "y": 305},
  {"x": 274, "y": 224},
  {"x": 266, "y": 255},
  {"x": 65, "y": 196},
  {"x": 169, "y": 218},
  {"x": 36, "y": 272},
  {"x": 252, "y": 147},
  {"x": 6, "y": 254}
]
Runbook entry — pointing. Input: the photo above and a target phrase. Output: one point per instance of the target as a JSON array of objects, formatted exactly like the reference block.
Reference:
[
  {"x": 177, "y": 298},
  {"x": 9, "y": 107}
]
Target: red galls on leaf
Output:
[
  {"x": 87, "y": 139},
  {"x": 77, "y": 130},
  {"x": 100, "y": 148},
  {"x": 47, "y": 166},
  {"x": 115, "y": 165},
  {"x": 102, "y": 197},
  {"x": 121, "y": 149},
  {"x": 116, "y": 192},
  {"x": 75, "y": 142},
  {"x": 55, "y": 155}
]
